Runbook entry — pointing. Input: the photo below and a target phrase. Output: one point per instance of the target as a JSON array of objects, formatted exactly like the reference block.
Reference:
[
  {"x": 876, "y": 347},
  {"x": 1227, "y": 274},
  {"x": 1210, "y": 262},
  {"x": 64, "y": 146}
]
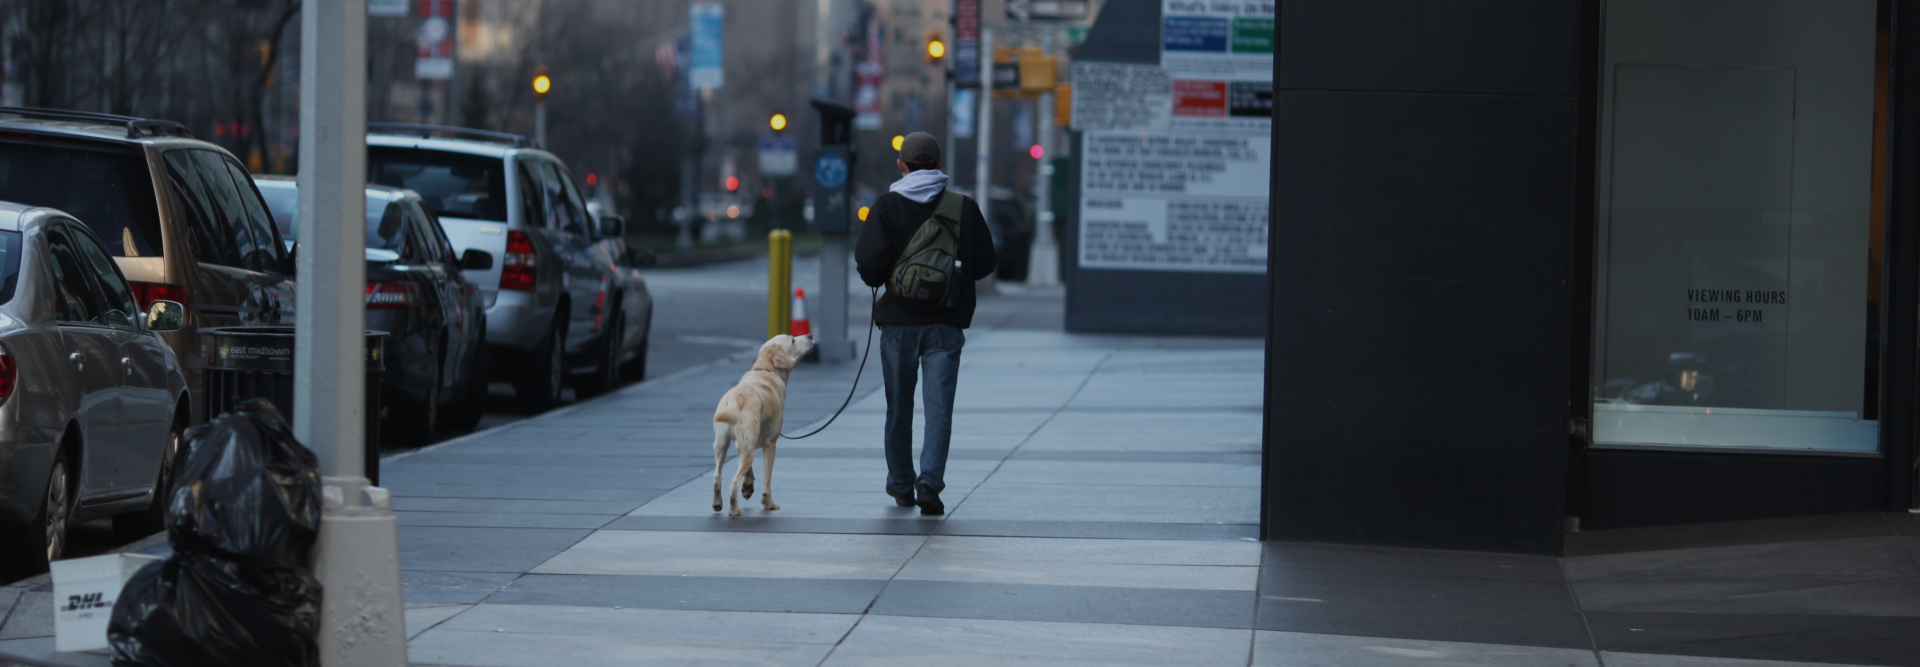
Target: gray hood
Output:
[{"x": 922, "y": 185}]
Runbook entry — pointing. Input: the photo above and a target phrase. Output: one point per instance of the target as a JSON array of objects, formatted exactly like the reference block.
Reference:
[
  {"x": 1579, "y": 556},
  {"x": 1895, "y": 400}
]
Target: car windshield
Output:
[
  {"x": 454, "y": 185},
  {"x": 111, "y": 191}
]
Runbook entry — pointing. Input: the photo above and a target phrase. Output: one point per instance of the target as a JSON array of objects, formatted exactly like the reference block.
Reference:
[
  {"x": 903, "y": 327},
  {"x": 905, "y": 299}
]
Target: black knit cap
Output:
[{"x": 920, "y": 148}]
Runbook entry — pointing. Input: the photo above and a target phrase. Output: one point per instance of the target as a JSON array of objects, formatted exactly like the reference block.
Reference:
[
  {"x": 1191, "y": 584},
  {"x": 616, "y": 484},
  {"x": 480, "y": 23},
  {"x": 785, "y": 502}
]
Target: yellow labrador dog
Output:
[{"x": 751, "y": 414}]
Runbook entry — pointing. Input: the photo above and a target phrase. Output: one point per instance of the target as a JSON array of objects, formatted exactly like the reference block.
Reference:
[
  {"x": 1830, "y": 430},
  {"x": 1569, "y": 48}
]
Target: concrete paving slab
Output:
[
  {"x": 1080, "y": 604},
  {"x": 769, "y": 555},
  {"x": 883, "y": 640},
  {"x": 1485, "y": 611},
  {"x": 422, "y": 619},
  {"x": 508, "y": 550},
  {"x": 521, "y": 492},
  {"x": 32, "y": 616},
  {"x": 41, "y": 649},
  {"x": 433, "y": 587},
  {"x": 1617, "y": 659},
  {"x": 721, "y": 626},
  {"x": 504, "y": 649},
  {"x": 503, "y": 520},
  {"x": 514, "y": 505},
  {"x": 1293, "y": 649},
  {"x": 1053, "y": 572},
  {"x": 1209, "y": 475},
  {"x": 827, "y": 596},
  {"x": 1090, "y": 551},
  {"x": 1107, "y": 530},
  {"x": 910, "y": 523}
]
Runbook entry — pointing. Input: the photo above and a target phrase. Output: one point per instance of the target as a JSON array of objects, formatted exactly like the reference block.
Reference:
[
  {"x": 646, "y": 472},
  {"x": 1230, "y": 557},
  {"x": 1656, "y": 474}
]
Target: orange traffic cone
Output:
[{"x": 800, "y": 326}]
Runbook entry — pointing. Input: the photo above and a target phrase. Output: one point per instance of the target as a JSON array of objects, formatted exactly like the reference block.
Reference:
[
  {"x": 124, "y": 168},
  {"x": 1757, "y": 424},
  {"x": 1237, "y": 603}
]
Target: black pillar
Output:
[{"x": 1426, "y": 195}]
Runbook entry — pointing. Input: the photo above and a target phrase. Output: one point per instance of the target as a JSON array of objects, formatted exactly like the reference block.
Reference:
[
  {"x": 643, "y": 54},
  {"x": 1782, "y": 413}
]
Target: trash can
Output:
[{"x": 257, "y": 362}]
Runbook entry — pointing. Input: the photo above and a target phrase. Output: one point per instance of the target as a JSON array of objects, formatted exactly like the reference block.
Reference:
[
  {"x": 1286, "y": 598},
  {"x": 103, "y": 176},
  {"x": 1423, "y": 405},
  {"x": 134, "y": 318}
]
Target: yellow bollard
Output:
[{"x": 779, "y": 282}]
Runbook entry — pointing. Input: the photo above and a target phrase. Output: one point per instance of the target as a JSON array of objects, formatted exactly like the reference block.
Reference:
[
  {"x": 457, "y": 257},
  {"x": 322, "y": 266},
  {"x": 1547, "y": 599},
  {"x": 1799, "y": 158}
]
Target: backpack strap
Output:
[{"x": 949, "y": 206}]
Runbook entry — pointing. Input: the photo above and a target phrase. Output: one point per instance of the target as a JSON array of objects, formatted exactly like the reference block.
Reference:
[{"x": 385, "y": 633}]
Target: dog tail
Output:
[{"x": 726, "y": 415}]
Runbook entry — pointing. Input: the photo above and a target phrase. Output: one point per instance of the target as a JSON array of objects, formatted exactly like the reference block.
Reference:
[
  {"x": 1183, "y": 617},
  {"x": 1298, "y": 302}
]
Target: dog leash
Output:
[{"x": 856, "y": 377}]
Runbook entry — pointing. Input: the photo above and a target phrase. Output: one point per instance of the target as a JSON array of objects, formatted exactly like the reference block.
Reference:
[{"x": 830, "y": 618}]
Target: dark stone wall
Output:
[{"x": 1426, "y": 199}]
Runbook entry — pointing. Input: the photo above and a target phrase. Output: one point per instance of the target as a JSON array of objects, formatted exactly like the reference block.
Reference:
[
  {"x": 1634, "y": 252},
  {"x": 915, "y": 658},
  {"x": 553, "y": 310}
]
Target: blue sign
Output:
[
  {"x": 707, "y": 21},
  {"x": 830, "y": 171},
  {"x": 1195, "y": 33}
]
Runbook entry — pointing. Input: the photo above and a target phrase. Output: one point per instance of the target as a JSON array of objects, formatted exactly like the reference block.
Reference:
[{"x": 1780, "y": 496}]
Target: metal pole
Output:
[
  {"x": 540, "y": 124},
  {"x": 983, "y": 124},
  {"x": 357, "y": 559},
  {"x": 1043, "y": 259}
]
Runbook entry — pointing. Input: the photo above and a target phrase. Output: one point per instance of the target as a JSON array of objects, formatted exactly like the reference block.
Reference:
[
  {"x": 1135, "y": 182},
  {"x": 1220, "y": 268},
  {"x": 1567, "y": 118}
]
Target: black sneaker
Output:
[
  {"x": 902, "y": 499},
  {"x": 929, "y": 502}
]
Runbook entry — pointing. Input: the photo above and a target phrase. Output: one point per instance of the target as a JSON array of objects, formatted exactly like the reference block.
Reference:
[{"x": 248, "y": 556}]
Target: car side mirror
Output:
[
  {"x": 613, "y": 226},
  {"x": 476, "y": 260},
  {"x": 166, "y": 316}
]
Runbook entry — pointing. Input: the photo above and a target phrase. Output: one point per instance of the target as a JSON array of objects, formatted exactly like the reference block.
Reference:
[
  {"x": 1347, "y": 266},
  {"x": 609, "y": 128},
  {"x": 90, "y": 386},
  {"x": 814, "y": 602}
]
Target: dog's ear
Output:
[{"x": 783, "y": 356}]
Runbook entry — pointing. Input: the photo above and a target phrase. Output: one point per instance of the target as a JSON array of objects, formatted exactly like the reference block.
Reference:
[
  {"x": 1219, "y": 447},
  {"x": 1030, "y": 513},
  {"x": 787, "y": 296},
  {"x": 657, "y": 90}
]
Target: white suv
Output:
[{"x": 560, "y": 301}]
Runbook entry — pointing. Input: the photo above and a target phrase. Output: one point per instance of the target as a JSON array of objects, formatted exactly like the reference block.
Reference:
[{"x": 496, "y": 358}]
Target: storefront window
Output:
[{"x": 1738, "y": 235}]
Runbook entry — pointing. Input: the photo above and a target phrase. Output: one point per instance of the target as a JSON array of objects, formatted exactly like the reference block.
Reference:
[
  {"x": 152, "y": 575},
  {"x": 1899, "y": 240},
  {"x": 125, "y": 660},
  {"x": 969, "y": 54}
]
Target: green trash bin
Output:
[{"x": 257, "y": 362}]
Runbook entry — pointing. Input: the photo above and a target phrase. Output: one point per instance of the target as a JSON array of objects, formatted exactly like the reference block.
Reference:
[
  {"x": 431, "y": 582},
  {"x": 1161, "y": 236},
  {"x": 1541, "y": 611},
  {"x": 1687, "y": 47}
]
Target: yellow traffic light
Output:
[
  {"x": 897, "y": 141},
  {"x": 778, "y": 122},
  {"x": 863, "y": 213},
  {"x": 541, "y": 83},
  {"x": 936, "y": 46}
]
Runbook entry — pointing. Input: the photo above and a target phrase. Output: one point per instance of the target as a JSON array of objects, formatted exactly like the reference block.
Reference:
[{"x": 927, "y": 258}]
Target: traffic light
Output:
[
  {"x": 898, "y": 141},
  {"x": 778, "y": 122},
  {"x": 541, "y": 83},
  {"x": 936, "y": 46},
  {"x": 733, "y": 183}
]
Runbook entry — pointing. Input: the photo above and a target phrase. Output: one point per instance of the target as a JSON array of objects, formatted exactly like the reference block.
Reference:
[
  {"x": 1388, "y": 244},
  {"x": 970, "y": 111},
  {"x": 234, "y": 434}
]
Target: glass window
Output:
[
  {"x": 205, "y": 226},
  {"x": 233, "y": 213},
  {"x": 73, "y": 297},
  {"x": 283, "y": 201},
  {"x": 535, "y": 209},
  {"x": 387, "y": 225},
  {"x": 569, "y": 214},
  {"x": 1737, "y": 238},
  {"x": 432, "y": 239},
  {"x": 272, "y": 253},
  {"x": 117, "y": 297},
  {"x": 109, "y": 190},
  {"x": 9, "y": 264},
  {"x": 454, "y": 185}
]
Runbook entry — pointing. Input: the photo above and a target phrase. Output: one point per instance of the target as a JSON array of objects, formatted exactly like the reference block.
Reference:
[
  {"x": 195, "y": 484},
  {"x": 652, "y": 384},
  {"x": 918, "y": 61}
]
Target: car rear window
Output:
[
  {"x": 111, "y": 191},
  {"x": 453, "y": 185},
  {"x": 9, "y": 264}
]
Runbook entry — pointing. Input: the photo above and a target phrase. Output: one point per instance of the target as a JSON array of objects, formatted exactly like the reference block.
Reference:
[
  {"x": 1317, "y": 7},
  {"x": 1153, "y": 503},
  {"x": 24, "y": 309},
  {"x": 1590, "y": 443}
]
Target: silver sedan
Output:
[{"x": 93, "y": 404}]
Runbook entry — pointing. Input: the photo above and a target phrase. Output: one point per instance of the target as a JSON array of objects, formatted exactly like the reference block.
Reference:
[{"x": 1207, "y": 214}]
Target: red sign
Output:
[
  {"x": 1199, "y": 98},
  {"x": 435, "y": 39}
]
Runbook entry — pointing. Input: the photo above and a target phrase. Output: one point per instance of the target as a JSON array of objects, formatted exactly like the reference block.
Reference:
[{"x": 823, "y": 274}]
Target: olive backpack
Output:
[{"x": 926, "y": 277}]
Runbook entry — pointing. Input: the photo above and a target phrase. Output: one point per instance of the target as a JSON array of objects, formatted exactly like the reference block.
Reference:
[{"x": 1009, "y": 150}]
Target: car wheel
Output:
[
  {"x": 153, "y": 519},
  {"x": 607, "y": 376},
  {"x": 636, "y": 368},
  {"x": 43, "y": 540},
  {"x": 542, "y": 379}
]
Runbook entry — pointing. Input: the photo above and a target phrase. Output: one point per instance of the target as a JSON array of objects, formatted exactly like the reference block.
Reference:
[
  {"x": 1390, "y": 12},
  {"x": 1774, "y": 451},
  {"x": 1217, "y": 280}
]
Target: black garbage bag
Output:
[{"x": 237, "y": 591}]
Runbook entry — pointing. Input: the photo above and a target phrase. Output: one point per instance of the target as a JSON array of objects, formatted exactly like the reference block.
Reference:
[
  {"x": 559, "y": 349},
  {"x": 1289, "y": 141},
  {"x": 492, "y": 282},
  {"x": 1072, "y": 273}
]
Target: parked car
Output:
[
  {"x": 563, "y": 300},
  {"x": 179, "y": 216},
  {"x": 417, "y": 292},
  {"x": 93, "y": 402}
]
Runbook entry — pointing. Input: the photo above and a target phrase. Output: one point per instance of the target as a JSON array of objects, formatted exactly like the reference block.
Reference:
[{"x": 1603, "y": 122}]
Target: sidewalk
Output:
[{"x": 1102, "y": 510}]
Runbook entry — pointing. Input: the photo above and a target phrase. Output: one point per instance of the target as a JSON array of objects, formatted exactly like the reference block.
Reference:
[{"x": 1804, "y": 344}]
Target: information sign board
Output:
[{"x": 707, "y": 21}]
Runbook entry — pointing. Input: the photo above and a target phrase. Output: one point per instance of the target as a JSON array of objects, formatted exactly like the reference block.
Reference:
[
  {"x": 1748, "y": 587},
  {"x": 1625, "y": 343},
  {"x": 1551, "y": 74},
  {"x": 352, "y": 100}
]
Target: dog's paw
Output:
[
  {"x": 733, "y": 512},
  {"x": 746, "y": 489},
  {"x": 716, "y": 507},
  {"x": 768, "y": 504}
]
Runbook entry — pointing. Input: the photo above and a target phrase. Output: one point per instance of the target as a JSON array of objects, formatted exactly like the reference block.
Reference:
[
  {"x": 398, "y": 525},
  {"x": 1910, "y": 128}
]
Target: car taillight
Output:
[
  {"x": 9, "y": 375},
  {"x": 147, "y": 293},
  {"x": 384, "y": 294},
  {"x": 517, "y": 268}
]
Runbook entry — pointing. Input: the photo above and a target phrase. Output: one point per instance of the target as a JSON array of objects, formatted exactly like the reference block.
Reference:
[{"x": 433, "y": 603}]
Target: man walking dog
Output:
[{"x": 927, "y": 245}]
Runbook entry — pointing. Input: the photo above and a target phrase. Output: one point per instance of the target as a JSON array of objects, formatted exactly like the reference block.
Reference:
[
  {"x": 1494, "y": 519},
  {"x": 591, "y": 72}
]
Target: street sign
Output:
[
  {"x": 707, "y": 22},
  {"x": 1047, "y": 10},
  {"x": 966, "y": 43},
  {"x": 779, "y": 156},
  {"x": 830, "y": 191},
  {"x": 386, "y": 7},
  {"x": 962, "y": 114},
  {"x": 435, "y": 39}
]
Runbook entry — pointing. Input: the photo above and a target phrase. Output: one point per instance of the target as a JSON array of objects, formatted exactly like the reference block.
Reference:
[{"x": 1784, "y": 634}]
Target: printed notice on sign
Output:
[
  {"x": 1112, "y": 96},
  {"x": 1186, "y": 202}
]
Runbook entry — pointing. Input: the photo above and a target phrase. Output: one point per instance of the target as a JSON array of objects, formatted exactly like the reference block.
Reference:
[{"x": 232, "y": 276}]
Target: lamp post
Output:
[
  {"x": 357, "y": 557},
  {"x": 541, "y": 84}
]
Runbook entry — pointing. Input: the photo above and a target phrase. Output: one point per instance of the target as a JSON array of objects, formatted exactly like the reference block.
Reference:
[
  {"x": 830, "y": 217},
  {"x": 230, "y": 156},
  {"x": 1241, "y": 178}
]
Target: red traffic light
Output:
[
  {"x": 733, "y": 183},
  {"x": 592, "y": 178}
]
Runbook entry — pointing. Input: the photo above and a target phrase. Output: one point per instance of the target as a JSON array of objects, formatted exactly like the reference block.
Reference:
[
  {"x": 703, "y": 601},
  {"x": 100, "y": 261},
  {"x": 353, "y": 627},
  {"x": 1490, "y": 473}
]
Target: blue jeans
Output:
[{"x": 904, "y": 351}]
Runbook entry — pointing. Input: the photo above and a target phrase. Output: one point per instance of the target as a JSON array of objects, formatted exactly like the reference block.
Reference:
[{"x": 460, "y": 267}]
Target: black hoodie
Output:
[{"x": 890, "y": 224}]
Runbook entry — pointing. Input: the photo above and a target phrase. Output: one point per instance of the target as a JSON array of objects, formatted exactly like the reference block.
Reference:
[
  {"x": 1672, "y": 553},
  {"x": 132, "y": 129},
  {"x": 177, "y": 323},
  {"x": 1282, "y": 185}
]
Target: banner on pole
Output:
[
  {"x": 706, "y": 22},
  {"x": 435, "y": 36}
]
